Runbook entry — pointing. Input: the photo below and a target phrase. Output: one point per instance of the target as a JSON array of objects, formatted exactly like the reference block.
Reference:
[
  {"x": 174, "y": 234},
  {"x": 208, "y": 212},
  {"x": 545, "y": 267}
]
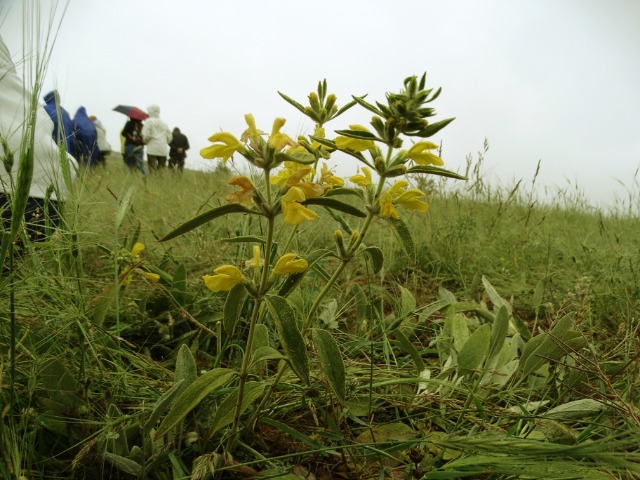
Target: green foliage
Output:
[{"x": 491, "y": 345}]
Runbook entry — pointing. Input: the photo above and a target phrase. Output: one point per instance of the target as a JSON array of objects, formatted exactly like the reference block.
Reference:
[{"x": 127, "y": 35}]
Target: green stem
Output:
[
  {"x": 345, "y": 260},
  {"x": 256, "y": 314}
]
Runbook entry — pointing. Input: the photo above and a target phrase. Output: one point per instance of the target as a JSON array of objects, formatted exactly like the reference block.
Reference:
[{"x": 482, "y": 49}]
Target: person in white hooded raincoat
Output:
[
  {"x": 48, "y": 187},
  {"x": 156, "y": 136}
]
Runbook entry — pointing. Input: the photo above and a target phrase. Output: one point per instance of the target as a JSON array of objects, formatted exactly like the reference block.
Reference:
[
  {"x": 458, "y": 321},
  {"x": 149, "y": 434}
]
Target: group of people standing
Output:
[
  {"x": 154, "y": 134},
  {"x": 83, "y": 137}
]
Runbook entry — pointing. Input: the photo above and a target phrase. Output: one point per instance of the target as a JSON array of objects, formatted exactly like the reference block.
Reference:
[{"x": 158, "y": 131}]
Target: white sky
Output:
[{"x": 549, "y": 80}]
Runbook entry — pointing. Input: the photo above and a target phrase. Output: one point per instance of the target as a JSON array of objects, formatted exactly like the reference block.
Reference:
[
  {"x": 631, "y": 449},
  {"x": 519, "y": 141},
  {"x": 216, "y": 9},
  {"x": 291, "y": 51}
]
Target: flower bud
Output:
[
  {"x": 378, "y": 162},
  {"x": 330, "y": 102},
  {"x": 396, "y": 171},
  {"x": 340, "y": 242},
  {"x": 355, "y": 236},
  {"x": 314, "y": 102}
]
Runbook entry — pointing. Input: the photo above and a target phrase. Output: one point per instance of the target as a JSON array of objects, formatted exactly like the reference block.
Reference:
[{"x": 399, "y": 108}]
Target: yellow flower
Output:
[
  {"x": 387, "y": 209},
  {"x": 278, "y": 140},
  {"x": 409, "y": 200},
  {"x": 327, "y": 176},
  {"x": 290, "y": 169},
  {"x": 256, "y": 261},
  {"x": 292, "y": 175},
  {"x": 398, "y": 194},
  {"x": 288, "y": 263},
  {"x": 318, "y": 132},
  {"x": 247, "y": 189},
  {"x": 251, "y": 133},
  {"x": 137, "y": 248},
  {"x": 152, "y": 277},
  {"x": 362, "y": 180},
  {"x": 355, "y": 144},
  {"x": 226, "y": 277},
  {"x": 419, "y": 154},
  {"x": 294, "y": 213},
  {"x": 225, "y": 149}
]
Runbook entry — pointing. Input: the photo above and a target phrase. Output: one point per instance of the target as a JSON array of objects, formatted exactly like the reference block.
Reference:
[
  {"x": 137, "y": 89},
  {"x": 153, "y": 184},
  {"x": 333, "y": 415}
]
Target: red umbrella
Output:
[{"x": 132, "y": 112}]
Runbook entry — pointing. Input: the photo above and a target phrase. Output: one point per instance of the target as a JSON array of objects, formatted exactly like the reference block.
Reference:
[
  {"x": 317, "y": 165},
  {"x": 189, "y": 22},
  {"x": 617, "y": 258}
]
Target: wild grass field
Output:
[{"x": 499, "y": 342}]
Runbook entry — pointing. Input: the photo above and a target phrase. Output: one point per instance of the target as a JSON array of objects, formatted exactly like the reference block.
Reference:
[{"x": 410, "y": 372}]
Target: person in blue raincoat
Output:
[
  {"x": 62, "y": 123},
  {"x": 86, "y": 139}
]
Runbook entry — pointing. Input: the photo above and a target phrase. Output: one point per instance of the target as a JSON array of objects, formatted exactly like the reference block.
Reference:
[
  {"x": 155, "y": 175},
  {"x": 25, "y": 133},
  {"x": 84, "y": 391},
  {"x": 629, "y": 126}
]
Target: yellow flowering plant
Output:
[{"x": 294, "y": 185}]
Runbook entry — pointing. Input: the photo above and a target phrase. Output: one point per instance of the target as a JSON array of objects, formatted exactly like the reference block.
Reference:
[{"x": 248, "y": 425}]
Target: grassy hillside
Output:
[{"x": 505, "y": 346}]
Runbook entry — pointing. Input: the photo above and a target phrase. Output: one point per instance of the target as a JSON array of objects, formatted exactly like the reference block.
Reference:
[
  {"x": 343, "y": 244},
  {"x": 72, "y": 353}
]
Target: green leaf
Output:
[
  {"x": 124, "y": 206},
  {"x": 331, "y": 361},
  {"x": 260, "y": 341},
  {"x": 265, "y": 353},
  {"x": 179, "y": 284},
  {"x": 434, "y": 128},
  {"x": 499, "y": 331},
  {"x": 410, "y": 349},
  {"x": 358, "y": 192},
  {"x": 474, "y": 350},
  {"x": 290, "y": 337},
  {"x": 302, "y": 158},
  {"x": 186, "y": 368},
  {"x": 407, "y": 304},
  {"x": 577, "y": 409},
  {"x": 207, "y": 217},
  {"x": 404, "y": 235},
  {"x": 430, "y": 170},
  {"x": 245, "y": 239},
  {"x": 367, "y": 105},
  {"x": 335, "y": 205},
  {"x": 459, "y": 330},
  {"x": 375, "y": 256},
  {"x": 193, "y": 395},
  {"x": 161, "y": 405},
  {"x": 494, "y": 296},
  {"x": 123, "y": 464},
  {"x": 233, "y": 308},
  {"x": 538, "y": 352},
  {"x": 226, "y": 410},
  {"x": 360, "y": 134},
  {"x": 291, "y": 101}
]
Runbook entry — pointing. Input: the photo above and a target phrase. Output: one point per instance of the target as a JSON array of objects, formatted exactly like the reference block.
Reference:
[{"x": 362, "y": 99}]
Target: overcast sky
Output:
[{"x": 549, "y": 80}]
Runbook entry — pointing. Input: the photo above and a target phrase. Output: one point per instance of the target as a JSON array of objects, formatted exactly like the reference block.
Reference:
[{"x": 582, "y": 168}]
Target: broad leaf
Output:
[
  {"x": 233, "y": 308},
  {"x": 227, "y": 409},
  {"x": 499, "y": 331},
  {"x": 245, "y": 239},
  {"x": 334, "y": 204},
  {"x": 207, "y": 217},
  {"x": 331, "y": 361},
  {"x": 290, "y": 337},
  {"x": 430, "y": 170},
  {"x": 360, "y": 134},
  {"x": 161, "y": 405},
  {"x": 193, "y": 395},
  {"x": 405, "y": 237},
  {"x": 434, "y": 128},
  {"x": 474, "y": 351},
  {"x": 375, "y": 256},
  {"x": 186, "y": 368},
  {"x": 410, "y": 349}
]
